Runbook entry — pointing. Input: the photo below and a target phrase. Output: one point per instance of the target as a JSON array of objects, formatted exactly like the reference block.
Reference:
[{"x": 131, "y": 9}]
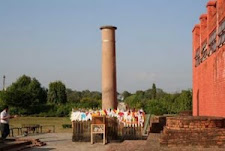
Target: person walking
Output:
[{"x": 5, "y": 116}]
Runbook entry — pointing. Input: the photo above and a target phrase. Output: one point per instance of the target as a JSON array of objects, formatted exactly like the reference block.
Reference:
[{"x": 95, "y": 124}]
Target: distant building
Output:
[{"x": 209, "y": 61}]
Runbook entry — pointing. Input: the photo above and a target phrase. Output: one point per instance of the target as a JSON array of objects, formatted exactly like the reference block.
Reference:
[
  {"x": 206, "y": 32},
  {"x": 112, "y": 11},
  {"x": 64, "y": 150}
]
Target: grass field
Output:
[{"x": 57, "y": 121}]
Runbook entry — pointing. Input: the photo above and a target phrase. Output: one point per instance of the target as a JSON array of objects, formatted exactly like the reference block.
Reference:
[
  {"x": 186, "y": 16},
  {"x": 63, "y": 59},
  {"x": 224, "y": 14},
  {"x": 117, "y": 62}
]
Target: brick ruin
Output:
[
  {"x": 20, "y": 144},
  {"x": 194, "y": 131},
  {"x": 206, "y": 127}
]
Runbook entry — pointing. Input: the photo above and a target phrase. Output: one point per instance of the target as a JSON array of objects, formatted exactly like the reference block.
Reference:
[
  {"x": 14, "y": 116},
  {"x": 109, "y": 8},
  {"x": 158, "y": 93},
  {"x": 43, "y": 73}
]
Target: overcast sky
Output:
[{"x": 60, "y": 40}]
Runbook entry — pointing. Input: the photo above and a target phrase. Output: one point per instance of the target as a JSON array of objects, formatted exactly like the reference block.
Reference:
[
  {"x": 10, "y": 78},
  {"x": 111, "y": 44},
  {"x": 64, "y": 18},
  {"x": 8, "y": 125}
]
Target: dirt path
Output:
[{"x": 63, "y": 142}]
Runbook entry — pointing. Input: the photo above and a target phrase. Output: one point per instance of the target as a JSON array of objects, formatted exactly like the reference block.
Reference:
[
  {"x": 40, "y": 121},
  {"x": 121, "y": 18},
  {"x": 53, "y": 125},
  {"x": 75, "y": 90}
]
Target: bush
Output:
[
  {"x": 67, "y": 125},
  {"x": 63, "y": 110}
]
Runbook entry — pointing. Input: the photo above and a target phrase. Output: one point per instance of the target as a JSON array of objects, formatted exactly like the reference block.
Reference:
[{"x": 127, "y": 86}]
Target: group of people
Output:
[
  {"x": 4, "y": 123},
  {"x": 127, "y": 118}
]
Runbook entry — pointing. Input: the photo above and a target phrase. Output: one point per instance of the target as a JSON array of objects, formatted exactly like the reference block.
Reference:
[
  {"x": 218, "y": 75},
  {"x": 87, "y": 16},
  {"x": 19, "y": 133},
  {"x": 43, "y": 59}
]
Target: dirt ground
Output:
[{"x": 63, "y": 142}]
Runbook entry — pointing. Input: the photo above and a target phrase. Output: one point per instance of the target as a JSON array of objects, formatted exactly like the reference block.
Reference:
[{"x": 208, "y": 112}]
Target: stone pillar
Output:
[
  {"x": 109, "y": 91},
  {"x": 4, "y": 88}
]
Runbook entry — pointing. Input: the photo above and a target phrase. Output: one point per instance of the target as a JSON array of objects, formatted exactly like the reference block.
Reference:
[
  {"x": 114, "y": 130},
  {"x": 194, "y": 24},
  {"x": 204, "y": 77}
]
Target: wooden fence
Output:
[
  {"x": 115, "y": 131},
  {"x": 27, "y": 129},
  {"x": 81, "y": 131}
]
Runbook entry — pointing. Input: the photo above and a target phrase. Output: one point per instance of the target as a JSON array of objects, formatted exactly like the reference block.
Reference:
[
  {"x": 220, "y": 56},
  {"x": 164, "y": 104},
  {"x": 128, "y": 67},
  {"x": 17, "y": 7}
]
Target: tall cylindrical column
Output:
[
  {"x": 109, "y": 92},
  {"x": 4, "y": 88}
]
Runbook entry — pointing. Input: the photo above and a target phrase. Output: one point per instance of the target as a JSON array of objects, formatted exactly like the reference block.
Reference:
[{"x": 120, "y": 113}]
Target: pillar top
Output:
[{"x": 108, "y": 27}]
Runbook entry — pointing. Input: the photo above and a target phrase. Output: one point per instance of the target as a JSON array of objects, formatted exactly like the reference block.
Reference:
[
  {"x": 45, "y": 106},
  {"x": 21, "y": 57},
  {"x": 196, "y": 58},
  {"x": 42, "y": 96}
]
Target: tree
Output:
[
  {"x": 155, "y": 107},
  {"x": 73, "y": 96},
  {"x": 90, "y": 103},
  {"x": 153, "y": 91},
  {"x": 136, "y": 100},
  {"x": 183, "y": 102},
  {"x": 125, "y": 94},
  {"x": 57, "y": 93},
  {"x": 26, "y": 93},
  {"x": 2, "y": 102},
  {"x": 131, "y": 101},
  {"x": 148, "y": 94},
  {"x": 160, "y": 93}
]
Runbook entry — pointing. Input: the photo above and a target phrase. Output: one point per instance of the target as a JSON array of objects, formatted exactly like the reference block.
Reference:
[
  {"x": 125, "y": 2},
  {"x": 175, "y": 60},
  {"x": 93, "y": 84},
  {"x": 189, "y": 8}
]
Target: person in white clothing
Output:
[{"x": 5, "y": 116}]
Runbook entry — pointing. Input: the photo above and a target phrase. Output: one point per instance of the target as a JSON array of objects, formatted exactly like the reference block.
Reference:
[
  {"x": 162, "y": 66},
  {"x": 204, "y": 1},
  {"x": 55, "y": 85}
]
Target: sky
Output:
[{"x": 61, "y": 40}]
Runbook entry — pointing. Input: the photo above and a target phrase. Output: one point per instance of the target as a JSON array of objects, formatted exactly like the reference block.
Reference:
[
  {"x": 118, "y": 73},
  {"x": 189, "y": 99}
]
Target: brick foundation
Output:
[
  {"x": 196, "y": 131},
  {"x": 157, "y": 123}
]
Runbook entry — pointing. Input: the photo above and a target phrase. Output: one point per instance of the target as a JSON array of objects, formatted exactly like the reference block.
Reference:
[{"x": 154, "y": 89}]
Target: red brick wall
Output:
[
  {"x": 195, "y": 131},
  {"x": 209, "y": 74},
  {"x": 196, "y": 45}
]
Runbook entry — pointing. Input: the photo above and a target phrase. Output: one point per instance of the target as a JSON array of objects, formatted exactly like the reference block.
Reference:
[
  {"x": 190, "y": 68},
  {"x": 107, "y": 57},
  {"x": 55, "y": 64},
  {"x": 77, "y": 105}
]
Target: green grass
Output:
[{"x": 57, "y": 121}]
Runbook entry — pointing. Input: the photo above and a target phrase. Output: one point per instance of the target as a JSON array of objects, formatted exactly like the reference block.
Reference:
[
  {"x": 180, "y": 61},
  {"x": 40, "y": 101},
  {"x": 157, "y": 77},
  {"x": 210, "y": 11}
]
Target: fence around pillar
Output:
[{"x": 114, "y": 130}]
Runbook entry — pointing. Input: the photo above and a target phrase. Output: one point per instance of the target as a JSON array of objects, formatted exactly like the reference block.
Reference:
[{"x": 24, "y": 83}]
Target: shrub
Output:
[{"x": 67, "y": 125}]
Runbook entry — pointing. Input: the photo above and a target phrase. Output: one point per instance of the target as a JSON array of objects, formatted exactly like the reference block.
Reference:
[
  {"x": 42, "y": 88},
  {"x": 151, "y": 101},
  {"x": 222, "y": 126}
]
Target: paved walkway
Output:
[{"x": 63, "y": 142}]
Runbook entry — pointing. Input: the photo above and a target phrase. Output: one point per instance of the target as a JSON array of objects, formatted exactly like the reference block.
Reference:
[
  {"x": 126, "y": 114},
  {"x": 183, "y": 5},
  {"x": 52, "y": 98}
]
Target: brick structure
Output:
[
  {"x": 193, "y": 131},
  {"x": 157, "y": 124},
  {"x": 204, "y": 128},
  {"x": 209, "y": 62}
]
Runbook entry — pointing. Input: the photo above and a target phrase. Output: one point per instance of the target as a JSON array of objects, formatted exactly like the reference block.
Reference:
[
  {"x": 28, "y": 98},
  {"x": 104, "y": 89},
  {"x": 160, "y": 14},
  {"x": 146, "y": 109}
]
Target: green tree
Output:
[
  {"x": 73, "y": 96},
  {"x": 183, "y": 102},
  {"x": 57, "y": 93},
  {"x": 25, "y": 94},
  {"x": 90, "y": 103},
  {"x": 155, "y": 107},
  {"x": 125, "y": 94},
  {"x": 136, "y": 100},
  {"x": 153, "y": 91},
  {"x": 2, "y": 102},
  {"x": 96, "y": 95},
  {"x": 148, "y": 94}
]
